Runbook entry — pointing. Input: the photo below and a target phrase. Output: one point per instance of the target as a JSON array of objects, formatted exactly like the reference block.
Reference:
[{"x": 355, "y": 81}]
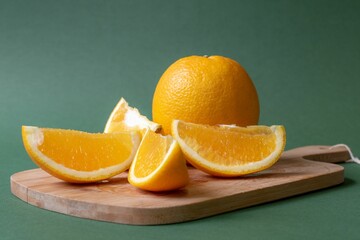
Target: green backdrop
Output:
[{"x": 66, "y": 63}]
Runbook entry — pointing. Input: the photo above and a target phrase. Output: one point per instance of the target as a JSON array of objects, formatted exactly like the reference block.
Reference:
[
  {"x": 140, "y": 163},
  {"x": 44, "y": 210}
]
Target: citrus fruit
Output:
[
  {"x": 159, "y": 164},
  {"x": 80, "y": 157},
  {"x": 207, "y": 90},
  {"x": 123, "y": 117},
  {"x": 230, "y": 151}
]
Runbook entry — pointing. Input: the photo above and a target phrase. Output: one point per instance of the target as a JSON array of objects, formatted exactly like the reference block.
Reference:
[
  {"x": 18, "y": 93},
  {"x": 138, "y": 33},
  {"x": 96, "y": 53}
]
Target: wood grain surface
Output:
[{"x": 117, "y": 201}]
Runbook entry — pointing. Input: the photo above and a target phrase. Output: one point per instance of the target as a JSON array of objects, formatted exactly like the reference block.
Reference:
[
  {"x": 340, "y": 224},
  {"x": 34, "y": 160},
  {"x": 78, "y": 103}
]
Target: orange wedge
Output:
[
  {"x": 227, "y": 150},
  {"x": 159, "y": 164},
  {"x": 123, "y": 117},
  {"x": 80, "y": 157}
]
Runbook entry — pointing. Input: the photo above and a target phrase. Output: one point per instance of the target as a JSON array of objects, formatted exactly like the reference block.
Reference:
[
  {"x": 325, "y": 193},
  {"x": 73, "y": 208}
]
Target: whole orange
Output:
[{"x": 207, "y": 90}]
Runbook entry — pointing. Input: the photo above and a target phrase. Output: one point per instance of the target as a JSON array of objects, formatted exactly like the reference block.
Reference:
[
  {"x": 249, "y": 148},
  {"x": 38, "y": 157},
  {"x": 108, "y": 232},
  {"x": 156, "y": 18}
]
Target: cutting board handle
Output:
[{"x": 319, "y": 153}]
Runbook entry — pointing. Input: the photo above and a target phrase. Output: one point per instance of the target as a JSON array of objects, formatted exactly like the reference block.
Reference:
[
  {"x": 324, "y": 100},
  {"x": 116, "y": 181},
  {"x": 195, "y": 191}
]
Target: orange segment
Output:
[
  {"x": 230, "y": 150},
  {"x": 150, "y": 155},
  {"x": 123, "y": 117},
  {"x": 159, "y": 164},
  {"x": 80, "y": 157}
]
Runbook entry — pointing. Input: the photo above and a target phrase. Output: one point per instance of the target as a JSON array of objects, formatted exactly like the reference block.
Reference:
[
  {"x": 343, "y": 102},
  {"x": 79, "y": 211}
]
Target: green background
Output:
[{"x": 65, "y": 64}]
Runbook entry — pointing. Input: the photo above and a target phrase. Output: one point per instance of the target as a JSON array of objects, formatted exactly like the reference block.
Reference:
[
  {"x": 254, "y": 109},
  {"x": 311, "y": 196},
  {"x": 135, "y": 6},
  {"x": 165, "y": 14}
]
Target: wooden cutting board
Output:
[{"x": 117, "y": 201}]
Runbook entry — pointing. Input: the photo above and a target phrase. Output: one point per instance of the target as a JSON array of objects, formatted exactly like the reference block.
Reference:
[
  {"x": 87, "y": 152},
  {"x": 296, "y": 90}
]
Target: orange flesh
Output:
[
  {"x": 150, "y": 155},
  {"x": 120, "y": 114},
  {"x": 118, "y": 118},
  {"x": 226, "y": 146},
  {"x": 71, "y": 149}
]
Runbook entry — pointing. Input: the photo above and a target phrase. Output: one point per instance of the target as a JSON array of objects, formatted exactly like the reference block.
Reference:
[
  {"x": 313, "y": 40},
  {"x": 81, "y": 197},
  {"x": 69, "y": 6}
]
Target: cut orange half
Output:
[
  {"x": 230, "y": 151},
  {"x": 80, "y": 157},
  {"x": 123, "y": 117},
  {"x": 159, "y": 164}
]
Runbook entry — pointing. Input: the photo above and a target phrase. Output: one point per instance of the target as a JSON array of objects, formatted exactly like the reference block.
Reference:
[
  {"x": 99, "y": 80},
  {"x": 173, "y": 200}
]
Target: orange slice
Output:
[
  {"x": 123, "y": 117},
  {"x": 80, "y": 157},
  {"x": 228, "y": 150},
  {"x": 159, "y": 164}
]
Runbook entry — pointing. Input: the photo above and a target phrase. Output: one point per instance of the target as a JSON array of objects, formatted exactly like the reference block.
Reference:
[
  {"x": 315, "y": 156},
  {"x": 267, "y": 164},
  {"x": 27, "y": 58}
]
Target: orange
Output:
[
  {"x": 159, "y": 164},
  {"x": 230, "y": 151},
  {"x": 80, "y": 157},
  {"x": 125, "y": 118},
  {"x": 208, "y": 90}
]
